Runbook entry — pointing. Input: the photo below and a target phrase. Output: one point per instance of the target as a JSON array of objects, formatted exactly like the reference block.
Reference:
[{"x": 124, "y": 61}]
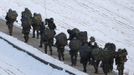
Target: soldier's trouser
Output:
[
  {"x": 61, "y": 53},
  {"x": 26, "y": 37},
  {"x": 50, "y": 47},
  {"x": 10, "y": 28},
  {"x": 120, "y": 68},
  {"x": 105, "y": 67},
  {"x": 84, "y": 67},
  {"x": 25, "y": 31},
  {"x": 96, "y": 64},
  {"x": 41, "y": 41},
  {"x": 111, "y": 64},
  {"x": 74, "y": 59},
  {"x": 36, "y": 33},
  {"x": 120, "y": 72},
  {"x": 33, "y": 33},
  {"x": 84, "y": 61}
]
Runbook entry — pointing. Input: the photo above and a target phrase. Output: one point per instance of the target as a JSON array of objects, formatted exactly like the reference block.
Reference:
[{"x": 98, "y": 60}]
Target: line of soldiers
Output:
[
  {"x": 28, "y": 21},
  {"x": 90, "y": 52}
]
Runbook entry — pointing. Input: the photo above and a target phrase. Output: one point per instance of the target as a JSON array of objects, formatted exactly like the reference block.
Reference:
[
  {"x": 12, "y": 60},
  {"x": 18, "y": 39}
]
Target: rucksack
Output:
[
  {"x": 26, "y": 21},
  {"x": 37, "y": 19},
  {"x": 97, "y": 53},
  {"x": 48, "y": 34},
  {"x": 61, "y": 39},
  {"x": 85, "y": 51},
  {"x": 83, "y": 36},
  {"x": 121, "y": 56},
  {"x": 51, "y": 25},
  {"x": 12, "y": 15},
  {"x": 74, "y": 44},
  {"x": 107, "y": 55},
  {"x": 75, "y": 32}
]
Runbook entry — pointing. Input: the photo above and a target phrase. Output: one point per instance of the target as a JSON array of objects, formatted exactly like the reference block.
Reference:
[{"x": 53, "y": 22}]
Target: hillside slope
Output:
[{"x": 106, "y": 20}]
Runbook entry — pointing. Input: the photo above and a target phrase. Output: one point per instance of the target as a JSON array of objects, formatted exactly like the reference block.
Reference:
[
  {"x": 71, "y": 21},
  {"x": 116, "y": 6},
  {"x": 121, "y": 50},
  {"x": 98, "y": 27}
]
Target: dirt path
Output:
[{"x": 35, "y": 43}]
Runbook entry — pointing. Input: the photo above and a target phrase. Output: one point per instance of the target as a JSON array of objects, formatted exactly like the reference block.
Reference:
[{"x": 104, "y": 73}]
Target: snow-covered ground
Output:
[
  {"x": 16, "y": 62},
  {"x": 106, "y": 20}
]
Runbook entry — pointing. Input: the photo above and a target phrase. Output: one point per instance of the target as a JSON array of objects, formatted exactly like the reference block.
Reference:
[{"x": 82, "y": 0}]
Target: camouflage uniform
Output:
[
  {"x": 111, "y": 48},
  {"x": 120, "y": 60},
  {"x": 73, "y": 33},
  {"x": 42, "y": 29},
  {"x": 108, "y": 57},
  {"x": 85, "y": 52},
  {"x": 26, "y": 20},
  {"x": 92, "y": 44},
  {"x": 48, "y": 36},
  {"x": 61, "y": 42},
  {"x": 50, "y": 23},
  {"x": 74, "y": 46},
  {"x": 36, "y": 23},
  {"x": 95, "y": 57},
  {"x": 10, "y": 19}
]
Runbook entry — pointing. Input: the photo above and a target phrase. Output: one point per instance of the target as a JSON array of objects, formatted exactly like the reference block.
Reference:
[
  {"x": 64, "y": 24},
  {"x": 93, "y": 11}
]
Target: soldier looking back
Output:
[{"x": 92, "y": 42}]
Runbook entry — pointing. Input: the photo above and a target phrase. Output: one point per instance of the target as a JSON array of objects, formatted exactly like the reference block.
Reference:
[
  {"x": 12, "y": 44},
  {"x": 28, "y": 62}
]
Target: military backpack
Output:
[{"x": 12, "y": 15}]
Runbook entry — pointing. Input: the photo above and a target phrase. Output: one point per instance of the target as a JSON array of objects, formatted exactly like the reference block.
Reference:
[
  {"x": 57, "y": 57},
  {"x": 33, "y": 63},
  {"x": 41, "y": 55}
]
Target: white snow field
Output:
[{"x": 106, "y": 20}]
